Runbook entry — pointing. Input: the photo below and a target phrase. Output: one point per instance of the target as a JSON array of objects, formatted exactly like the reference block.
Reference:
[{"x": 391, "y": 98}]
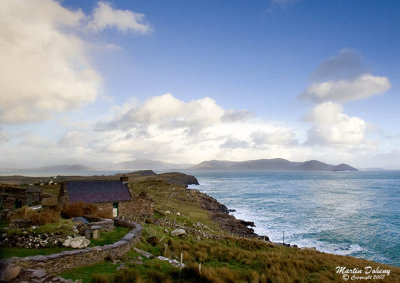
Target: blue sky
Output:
[{"x": 185, "y": 81}]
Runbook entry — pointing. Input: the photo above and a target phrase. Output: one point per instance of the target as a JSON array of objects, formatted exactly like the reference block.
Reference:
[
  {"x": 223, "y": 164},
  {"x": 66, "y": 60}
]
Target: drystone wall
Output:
[{"x": 57, "y": 263}]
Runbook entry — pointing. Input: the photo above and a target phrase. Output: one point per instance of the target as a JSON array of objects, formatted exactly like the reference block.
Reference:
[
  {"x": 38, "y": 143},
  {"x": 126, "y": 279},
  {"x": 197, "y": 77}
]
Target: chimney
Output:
[{"x": 124, "y": 179}]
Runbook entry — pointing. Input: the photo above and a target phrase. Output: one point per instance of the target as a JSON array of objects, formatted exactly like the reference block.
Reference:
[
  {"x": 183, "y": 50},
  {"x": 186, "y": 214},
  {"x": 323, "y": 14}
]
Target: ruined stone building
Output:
[
  {"x": 112, "y": 196},
  {"x": 16, "y": 197}
]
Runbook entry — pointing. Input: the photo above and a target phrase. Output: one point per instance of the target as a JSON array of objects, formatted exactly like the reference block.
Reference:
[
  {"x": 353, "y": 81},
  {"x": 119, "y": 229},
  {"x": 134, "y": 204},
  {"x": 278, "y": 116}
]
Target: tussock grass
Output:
[
  {"x": 37, "y": 217},
  {"x": 83, "y": 209}
]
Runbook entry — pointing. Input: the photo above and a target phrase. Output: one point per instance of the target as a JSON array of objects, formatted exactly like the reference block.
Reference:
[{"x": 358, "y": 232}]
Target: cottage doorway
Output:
[{"x": 115, "y": 209}]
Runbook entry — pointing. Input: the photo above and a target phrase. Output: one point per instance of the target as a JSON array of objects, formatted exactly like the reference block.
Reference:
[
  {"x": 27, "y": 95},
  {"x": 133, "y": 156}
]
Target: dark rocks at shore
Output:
[
  {"x": 232, "y": 225},
  {"x": 220, "y": 214},
  {"x": 248, "y": 223}
]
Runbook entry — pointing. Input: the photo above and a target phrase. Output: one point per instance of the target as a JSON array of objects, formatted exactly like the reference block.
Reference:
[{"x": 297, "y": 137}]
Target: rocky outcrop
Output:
[
  {"x": 220, "y": 214},
  {"x": 180, "y": 179}
]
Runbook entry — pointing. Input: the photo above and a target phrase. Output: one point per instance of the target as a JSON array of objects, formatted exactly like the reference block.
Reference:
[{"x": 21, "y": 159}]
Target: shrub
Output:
[
  {"x": 40, "y": 217},
  {"x": 83, "y": 209}
]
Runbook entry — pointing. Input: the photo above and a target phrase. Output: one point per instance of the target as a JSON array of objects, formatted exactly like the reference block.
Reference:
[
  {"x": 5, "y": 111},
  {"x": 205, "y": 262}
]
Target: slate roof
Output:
[{"x": 97, "y": 191}]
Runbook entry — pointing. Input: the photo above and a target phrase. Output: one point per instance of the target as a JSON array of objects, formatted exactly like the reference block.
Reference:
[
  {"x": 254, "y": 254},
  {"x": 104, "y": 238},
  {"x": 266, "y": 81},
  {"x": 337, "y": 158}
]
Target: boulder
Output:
[
  {"x": 9, "y": 271},
  {"x": 178, "y": 232},
  {"x": 143, "y": 253},
  {"x": 78, "y": 242}
]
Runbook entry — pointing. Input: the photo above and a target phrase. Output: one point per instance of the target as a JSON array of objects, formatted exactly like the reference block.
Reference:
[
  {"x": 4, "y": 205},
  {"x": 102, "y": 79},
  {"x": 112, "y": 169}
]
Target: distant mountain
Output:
[
  {"x": 272, "y": 164},
  {"x": 66, "y": 167},
  {"x": 143, "y": 164}
]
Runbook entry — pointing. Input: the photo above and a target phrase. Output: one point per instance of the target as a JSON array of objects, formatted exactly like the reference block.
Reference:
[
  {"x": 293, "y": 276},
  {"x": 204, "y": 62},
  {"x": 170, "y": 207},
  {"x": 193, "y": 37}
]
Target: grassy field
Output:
[
  {"x": 10, "y": 252},
  {"x": 223, "y": 258},
  {"x": 110, "y": 237}
]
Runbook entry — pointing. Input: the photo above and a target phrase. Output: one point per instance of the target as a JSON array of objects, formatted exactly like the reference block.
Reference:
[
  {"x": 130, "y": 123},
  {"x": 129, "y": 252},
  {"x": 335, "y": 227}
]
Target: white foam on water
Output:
[{"x": 339, "y": 249}]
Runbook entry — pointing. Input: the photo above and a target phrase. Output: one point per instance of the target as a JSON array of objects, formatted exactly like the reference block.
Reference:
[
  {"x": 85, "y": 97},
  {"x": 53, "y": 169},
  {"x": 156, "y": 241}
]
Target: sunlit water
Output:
[{"x": 347, "y": 213}]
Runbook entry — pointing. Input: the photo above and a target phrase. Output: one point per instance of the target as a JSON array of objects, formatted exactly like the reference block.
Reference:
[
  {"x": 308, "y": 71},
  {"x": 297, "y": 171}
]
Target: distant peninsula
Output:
[{"x": 272, "y": 164}]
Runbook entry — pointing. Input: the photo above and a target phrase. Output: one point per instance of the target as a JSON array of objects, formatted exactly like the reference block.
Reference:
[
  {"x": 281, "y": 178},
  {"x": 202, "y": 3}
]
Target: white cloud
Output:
[
  {"x": 334, "y": 128},
  {"x": 279, "y": 137},
  {"x": 347, "y": 64},
  {"x": 43, "y": 66},
  {"x": 233, "y": 143},
  {"x": 361, "y": 87},
  {"x": 169, "y": 112},
  {"x": 3, "y": 136},
  {"x": 104, "y": 16},
  {"x": 166, "y": 128},
  {"x": 342, "y": 78}
]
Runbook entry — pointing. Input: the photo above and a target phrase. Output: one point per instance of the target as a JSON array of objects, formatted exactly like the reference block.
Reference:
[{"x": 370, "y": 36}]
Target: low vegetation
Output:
[
  {"x": 38, "y": 217},
  {"x": 209, "y": 253},
  {"x": 83, "y": 209},
  {"x": 220, "y": 257}
]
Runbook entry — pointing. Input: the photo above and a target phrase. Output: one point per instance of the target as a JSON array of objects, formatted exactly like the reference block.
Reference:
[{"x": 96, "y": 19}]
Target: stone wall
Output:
[
  {"x": 140, "y": 205},
  {"x": 57, "y": 263},
  {"x": 107, "y": 207},
  {"x": 105, "y": 224}
]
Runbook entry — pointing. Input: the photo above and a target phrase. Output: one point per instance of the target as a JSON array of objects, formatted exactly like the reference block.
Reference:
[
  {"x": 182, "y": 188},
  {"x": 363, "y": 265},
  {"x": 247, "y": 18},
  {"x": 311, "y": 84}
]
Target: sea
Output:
[{"x": 346, "y": 213}]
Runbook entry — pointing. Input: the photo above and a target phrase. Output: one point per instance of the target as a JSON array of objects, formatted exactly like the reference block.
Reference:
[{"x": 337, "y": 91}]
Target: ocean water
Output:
[{"x": 346, "y": 213}]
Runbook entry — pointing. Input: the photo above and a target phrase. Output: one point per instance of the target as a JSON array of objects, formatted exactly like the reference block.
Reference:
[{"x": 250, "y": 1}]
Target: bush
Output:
[
  {"x": 83, "y": 209},
  {"x": 38, "y": 217}
]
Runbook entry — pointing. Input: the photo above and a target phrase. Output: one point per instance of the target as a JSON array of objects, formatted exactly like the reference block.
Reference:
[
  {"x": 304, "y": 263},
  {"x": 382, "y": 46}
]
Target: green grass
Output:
[
  {"x": 110, "y": 237},
  {"x": 85, "y": 273},
  {"x": 20, "y": 252},
  {"x": 64, "y": 226}
]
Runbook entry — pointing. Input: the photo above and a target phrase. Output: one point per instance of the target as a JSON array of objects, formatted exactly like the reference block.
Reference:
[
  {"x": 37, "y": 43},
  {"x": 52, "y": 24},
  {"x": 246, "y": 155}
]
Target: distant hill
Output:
[
  {"x": 67, "y": 167},
  {"x": 143, "y": 164},
  {"x": 272, "y": 164}
]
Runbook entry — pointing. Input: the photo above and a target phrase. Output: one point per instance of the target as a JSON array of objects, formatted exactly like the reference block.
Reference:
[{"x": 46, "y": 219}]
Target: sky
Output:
[{"x": 102, "y": 82}]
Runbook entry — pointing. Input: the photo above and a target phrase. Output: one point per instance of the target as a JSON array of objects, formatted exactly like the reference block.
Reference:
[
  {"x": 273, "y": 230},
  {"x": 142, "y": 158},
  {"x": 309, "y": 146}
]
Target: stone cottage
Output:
[{"x": 113, "y": 196}]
